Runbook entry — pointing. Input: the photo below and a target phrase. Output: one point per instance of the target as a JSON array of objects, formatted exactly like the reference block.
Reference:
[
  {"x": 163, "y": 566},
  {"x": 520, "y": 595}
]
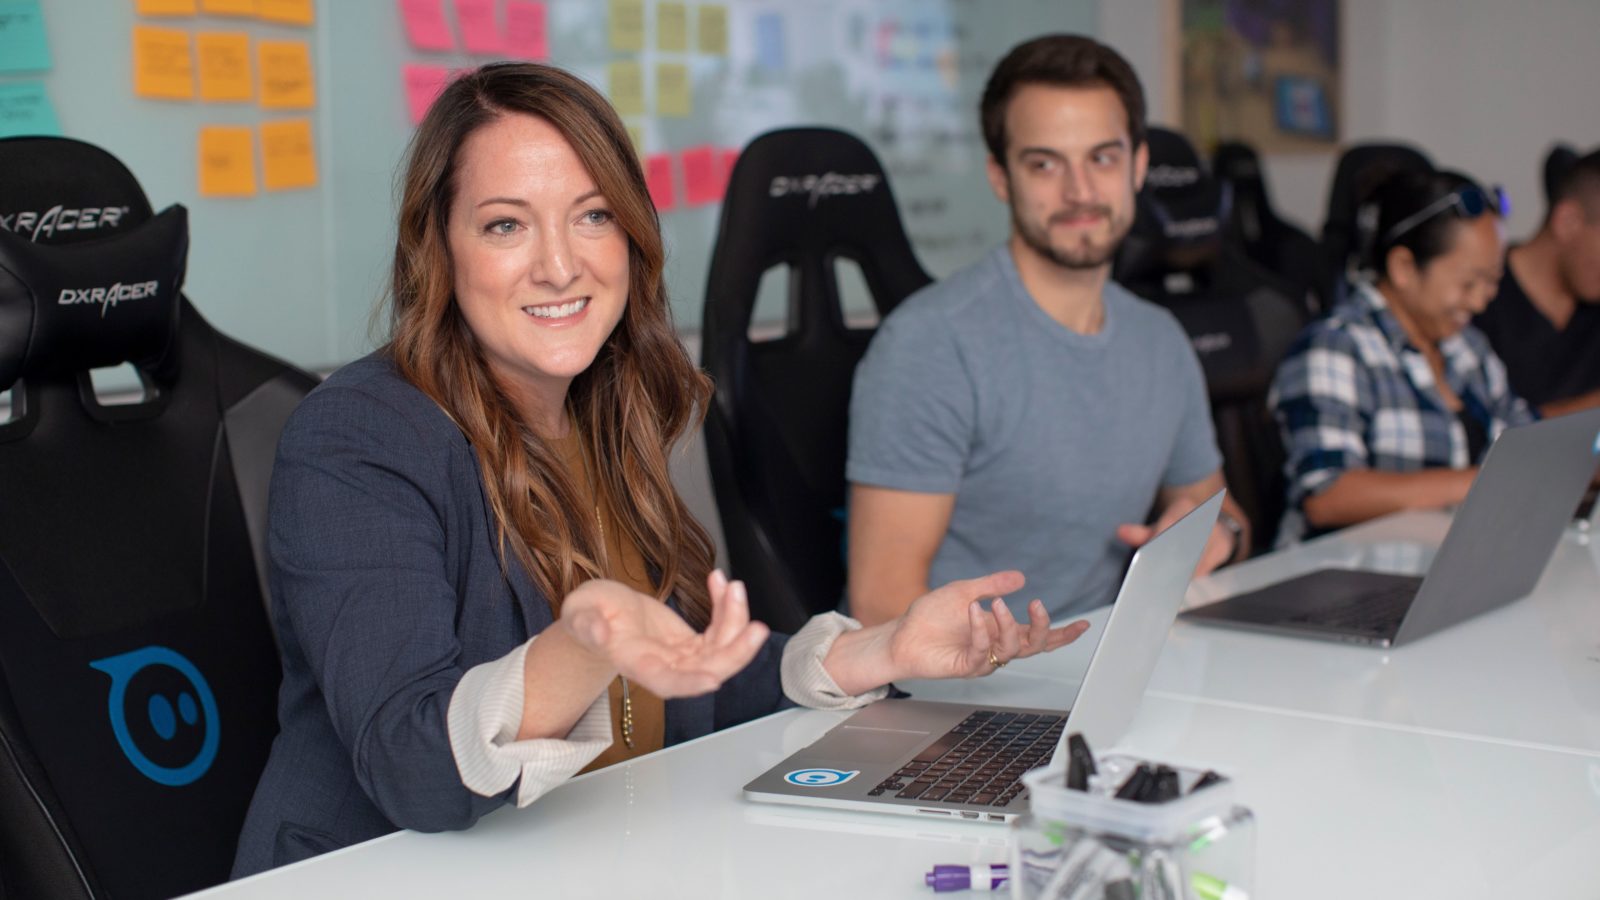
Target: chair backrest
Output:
[
  {"x": 804, "y": 198},
  {"x": 1255, "y": 227},
  {"x": 1556, "y": 162},
  {"x": 138, "y": 673},
  {"x": 1240, "y": 318},
  {"x": 1353, "y": 175}
]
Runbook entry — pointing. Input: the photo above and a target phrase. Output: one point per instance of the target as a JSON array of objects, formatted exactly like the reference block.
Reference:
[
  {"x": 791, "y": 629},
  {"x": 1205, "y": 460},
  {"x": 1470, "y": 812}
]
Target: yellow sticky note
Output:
[
  {"x": 288, "y": 157},
  {"x": 162, "y": 66},
  {"x": 672, "y": 89},
  {"x": 228, "y": 7},
  {"x": 227, "y": 161},
  {"x": 286, "y": 81},
  {"x": 713, "y": 31},
  {"x": 636, "y": 137},
  {"x": 289, "y": 12},
  {"x": 627, "y": 87},
  {"x": 224, "y": 63},
  {"x": 672, "y": 27},
  {"x": 627, "y": 25},
  {"x": 165, "y": 7}
]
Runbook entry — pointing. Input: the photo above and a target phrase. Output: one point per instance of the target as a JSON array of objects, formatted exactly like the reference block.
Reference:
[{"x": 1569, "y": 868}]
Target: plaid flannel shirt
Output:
[{"x": 1355, "y": 393}]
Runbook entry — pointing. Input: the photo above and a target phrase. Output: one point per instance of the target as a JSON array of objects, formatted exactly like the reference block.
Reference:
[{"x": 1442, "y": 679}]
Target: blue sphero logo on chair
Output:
[
  {"x": 819, "y": 777},
  {"x": 163, "y": 714}
]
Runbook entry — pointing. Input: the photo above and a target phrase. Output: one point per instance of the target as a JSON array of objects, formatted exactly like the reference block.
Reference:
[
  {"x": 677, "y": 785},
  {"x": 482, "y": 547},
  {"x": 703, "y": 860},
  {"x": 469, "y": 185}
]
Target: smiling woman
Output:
[{"x": 482, "y": 578}]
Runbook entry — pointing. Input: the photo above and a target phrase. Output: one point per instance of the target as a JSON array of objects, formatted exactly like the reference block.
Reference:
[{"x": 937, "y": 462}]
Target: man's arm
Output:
[
  {"x": 1173, "y": 503},
  {"x": 893, "y": 538},
  {"x": 1570, "y": 404}
]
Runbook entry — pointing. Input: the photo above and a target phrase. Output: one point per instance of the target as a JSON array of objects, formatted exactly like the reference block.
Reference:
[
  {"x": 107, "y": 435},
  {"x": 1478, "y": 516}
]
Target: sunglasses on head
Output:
[{"x": 1469, "y": 202}]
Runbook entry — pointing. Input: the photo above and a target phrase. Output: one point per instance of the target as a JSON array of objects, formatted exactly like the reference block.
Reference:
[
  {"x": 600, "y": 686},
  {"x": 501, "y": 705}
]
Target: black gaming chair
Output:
[
  {"x": 1556, "y": 162},
  {"x": 1240, "y": 318},
  {"x": 138, "y": 674},
  {"x": 1359, "y": 166},
  {"x": 775, "y": 434},
  {"x": 1275, "y": 245}
]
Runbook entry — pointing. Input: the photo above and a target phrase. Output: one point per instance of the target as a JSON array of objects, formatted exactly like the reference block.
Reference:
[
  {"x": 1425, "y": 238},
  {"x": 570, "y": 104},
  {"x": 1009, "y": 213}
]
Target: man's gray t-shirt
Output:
[{"x": 1049, "y": 438}]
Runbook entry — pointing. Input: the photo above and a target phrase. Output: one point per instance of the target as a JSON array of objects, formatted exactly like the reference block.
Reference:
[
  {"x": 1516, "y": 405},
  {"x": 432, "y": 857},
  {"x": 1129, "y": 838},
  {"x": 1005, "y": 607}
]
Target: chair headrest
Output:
[
  {"x": 1352, "y": 178},
  {"x": 1181, "y": 210},
  {"x": 1556, "y": 163},
  {"x": 88, "y": 277}
]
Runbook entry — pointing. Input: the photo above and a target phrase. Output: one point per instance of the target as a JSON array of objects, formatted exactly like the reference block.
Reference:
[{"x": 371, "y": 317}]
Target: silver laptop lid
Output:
[{"x": 1151, "y": 593}]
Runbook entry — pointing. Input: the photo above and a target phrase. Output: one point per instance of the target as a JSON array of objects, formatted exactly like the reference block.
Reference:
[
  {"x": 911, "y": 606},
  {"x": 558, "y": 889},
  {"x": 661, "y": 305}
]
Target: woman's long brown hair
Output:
[{"x": 631, "y": 405}]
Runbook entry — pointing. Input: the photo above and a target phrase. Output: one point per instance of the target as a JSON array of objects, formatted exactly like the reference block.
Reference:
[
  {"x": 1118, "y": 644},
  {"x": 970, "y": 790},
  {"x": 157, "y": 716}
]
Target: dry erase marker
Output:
[
  {"x": 1207, "y": 887},
  {"x": 961, "y": 878}
]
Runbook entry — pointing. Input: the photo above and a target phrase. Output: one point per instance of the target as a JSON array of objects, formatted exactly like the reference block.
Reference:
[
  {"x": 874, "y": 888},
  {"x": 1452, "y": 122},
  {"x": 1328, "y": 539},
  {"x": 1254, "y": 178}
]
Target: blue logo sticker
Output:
[
  {"x": 819, "y": 777},
  {"x": 174, "y": 715}
]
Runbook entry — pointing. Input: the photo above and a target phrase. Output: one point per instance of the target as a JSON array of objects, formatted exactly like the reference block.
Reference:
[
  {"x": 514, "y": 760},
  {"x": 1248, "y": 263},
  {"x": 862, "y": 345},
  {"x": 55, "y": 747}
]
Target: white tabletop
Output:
[{"x": 1440, "y": 769}]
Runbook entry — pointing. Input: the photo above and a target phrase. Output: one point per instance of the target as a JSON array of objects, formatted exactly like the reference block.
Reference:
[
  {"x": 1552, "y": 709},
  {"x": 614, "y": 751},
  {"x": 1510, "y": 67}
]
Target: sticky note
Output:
[
  {"x": 771, "y": 54},
  {"x": 672, "y": 89},
  {"x": 288, "y": 157},
  {"x": 702, "y": 176},
  {"x": 286, "y": 81},
  {"x": 223, "y": 60},
  {"x": 713, "y": 30},
  {"x": 658, "y": 178},
  {"x": 479, "y": 30},
  {"x": 288, "y": 12},
  {"x": 165, "y": 7},
  {"x": 227, "y": 161},
  {"x": 672, "y": 27},
  {"x": 626, "y": 19},
  {"x": 527, "y": 30},
  {"x": 162, "y": 66},
  {"x": 426, "y": 27},
  {"x": 228, "y": 8},
  {"x": 636, "y": 138},
  {"x": 627, "y": 87},
  {"x": 25, "y": 110},
  {"x": 23, "y": 47},
  {"x": 727, "y": 159},
  {"x": 423, "y": 84}
]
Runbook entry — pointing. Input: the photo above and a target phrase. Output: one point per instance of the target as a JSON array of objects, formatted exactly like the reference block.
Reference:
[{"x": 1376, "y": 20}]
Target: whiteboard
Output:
[{"x": 298, "y": 273}]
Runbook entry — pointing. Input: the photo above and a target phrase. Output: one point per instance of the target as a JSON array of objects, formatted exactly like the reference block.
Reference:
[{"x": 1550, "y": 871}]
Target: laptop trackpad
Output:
[{"x": 868, "y": 745}]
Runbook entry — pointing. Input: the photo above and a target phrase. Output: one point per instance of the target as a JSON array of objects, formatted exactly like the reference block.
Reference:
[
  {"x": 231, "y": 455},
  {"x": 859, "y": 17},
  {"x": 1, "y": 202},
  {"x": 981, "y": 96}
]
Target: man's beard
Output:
[{"x": 1081, "y": 256}]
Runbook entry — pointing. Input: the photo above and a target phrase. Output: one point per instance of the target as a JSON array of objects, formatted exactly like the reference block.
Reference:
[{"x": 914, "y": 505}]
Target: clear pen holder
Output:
[{"x": 1088, "y": 845}]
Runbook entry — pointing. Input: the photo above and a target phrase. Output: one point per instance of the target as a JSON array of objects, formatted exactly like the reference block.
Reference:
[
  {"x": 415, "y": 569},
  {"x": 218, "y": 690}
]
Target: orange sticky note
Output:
[
  {"x": 286, "y": 81},
  {"x": 288, "y": 156},
  {"x": 426, "y": 26},
  {"x": 423, "y": 84},
  {"x": 162, "y": 66},
  {"x": 165, "y": 7},
  {"x": 227, "y": 161},
  {"x": 479, "y": 30},
  {"x": 228, "y": 7},
  {"x": 527, "y": 34},
  {"x": 658, "y": 178},
  {"x": 702, "y": 181},
  {"x": 289, "y": 12},
  {"x": 224, "y": 63}
]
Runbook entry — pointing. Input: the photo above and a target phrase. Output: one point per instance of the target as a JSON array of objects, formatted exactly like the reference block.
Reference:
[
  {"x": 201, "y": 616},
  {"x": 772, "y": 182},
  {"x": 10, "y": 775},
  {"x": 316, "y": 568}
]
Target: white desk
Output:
[{"x": 1360, "y": 787}]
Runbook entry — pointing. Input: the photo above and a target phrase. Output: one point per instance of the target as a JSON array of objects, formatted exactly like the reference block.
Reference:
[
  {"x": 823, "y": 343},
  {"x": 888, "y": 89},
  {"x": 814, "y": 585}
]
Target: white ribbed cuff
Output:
[
  {"x": 484, "y": 716},
  {"x": 805, "y": 681}
]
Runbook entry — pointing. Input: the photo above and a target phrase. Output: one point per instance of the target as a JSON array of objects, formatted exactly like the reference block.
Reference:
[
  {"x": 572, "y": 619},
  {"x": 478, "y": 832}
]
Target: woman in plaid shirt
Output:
[{"x": 1391, "y": 401}]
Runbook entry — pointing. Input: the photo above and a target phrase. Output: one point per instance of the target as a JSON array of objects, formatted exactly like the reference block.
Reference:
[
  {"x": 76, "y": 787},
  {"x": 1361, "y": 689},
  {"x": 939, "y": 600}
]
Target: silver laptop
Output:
[
  {"x": 1498, "y": 544},
  {"x": 920, "y": 757}
]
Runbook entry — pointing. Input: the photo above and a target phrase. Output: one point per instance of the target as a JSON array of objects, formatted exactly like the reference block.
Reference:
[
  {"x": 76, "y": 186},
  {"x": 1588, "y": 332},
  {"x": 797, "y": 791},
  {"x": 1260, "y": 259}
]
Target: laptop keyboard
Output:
[
  {"x": 980, "y": 761},
  {"x": 1377, "y": 612}
]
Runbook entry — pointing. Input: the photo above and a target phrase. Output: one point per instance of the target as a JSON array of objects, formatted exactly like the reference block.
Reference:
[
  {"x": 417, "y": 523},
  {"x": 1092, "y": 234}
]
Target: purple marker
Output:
[{"x": 960, "y": 878}]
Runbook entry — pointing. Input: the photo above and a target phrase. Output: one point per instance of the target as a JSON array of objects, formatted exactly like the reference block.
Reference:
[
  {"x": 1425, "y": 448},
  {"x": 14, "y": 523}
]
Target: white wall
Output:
[{"x": 1484, "y": 86}]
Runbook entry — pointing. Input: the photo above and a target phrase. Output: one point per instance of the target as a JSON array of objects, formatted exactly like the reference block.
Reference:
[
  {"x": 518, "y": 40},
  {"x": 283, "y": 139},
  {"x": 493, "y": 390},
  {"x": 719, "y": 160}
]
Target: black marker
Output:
[
  {"x": 1137, "y": 784},
  {"x": 1080, "y": 763},
  {"x": 1206, "y": 780}
]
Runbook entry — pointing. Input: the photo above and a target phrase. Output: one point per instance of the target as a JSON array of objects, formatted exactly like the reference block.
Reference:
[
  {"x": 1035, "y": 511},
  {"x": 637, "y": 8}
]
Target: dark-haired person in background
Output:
[
  {"x": 1545, "y": 321},
  {"x": 1026, "y": 412},
  {"x": 1390, "y": 402}
]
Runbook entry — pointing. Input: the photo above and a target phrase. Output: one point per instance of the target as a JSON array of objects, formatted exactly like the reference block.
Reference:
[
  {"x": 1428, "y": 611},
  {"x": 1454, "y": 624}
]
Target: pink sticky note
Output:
[
  {"x": 526, "y": 34},
  {"x": 426, "y": 25},
  {"x": 479, "y": 31},
  {"x": 726, "y": 159},
  {"x": 702, "y": 183},
  {"x": 658, "y": 177},
  {"x": 423, "y": 85}
]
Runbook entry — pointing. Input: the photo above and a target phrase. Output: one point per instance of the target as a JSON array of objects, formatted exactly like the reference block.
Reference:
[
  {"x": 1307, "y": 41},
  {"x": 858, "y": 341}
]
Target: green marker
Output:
[{"x": 1208, "y": 888}]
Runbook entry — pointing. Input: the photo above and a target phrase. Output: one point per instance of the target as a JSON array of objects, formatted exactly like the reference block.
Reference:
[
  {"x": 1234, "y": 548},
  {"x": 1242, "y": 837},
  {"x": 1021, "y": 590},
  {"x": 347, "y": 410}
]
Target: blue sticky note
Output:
[
  {"x": 771, "y": 54},
  {"x": 25, "y": 110},
  {"x": 23, "y": 47}
]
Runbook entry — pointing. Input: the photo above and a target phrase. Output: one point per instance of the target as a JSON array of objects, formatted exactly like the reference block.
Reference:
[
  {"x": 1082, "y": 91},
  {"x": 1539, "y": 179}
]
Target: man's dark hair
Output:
[
  {"x": 1060, "y": 60},
  {"x": 1579, "y": 180}
]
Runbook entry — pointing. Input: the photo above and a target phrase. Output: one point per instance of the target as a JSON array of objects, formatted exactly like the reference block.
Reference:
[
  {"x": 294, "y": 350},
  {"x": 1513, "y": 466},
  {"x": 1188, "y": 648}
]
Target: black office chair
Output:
[
  {"x": 1556, "y": 162},
  {"x": 138, "y": 673},
  {"x": 1358, "y": 169},
  {"x": 1240, "y": 318},
  {"x": 775, "y": 433},
  {"x": 1281, "y": 248}
]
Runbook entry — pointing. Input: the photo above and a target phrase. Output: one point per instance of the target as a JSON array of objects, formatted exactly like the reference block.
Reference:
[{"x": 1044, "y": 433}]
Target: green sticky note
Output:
[
  {"x": 25, "y": 110},
  {"x": 23, "y": 47}
]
